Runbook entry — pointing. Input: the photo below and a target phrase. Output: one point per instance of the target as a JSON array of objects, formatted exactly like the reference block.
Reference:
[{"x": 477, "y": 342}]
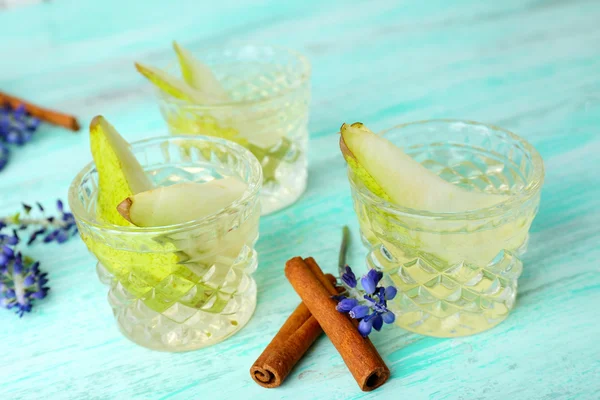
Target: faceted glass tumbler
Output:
[
  {"x": 185, "y": 286},
  {"x": 456, "y": 273},
  {"x": 269, "y": 91}
]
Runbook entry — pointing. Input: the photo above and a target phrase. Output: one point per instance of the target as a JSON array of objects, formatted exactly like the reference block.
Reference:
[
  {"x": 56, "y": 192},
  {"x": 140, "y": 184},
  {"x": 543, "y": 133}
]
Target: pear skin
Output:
[
  {"x": 120, "y": 175},
  {"x": 358, "y": 169},
  {"x": 198, "y": 75},
  {"x": 171, "y": 85},
  {"x": 393, "y": 175}
]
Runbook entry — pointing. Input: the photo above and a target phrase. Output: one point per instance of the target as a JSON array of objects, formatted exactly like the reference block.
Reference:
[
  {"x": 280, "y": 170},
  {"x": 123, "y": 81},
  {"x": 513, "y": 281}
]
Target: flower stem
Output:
[
  {"x": 343, "y": 255},
  {"x": 343, "y": 249},
  {"x": 19, "y": 287},
  {"x": 57, "y": 223}
]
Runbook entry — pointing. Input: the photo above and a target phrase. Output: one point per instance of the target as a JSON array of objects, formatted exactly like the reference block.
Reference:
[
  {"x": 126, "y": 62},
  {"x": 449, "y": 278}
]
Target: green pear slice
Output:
[
  {"x": 201, "y": 256},
  {"x": 120, "y": 175},
  {"x": 199, "y": 85},
  {"x": 393, "y": 175},
  {"x": 172, "y": 85},
  {"x": 198, "y": 75},
  {"x": 182, "y": 202}
]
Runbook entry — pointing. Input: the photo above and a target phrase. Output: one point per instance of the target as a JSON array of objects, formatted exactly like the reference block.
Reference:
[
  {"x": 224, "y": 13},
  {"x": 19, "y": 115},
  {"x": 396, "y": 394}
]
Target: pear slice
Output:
[
  {"x": 199, "y": 85},
  {"x": 198, "y": 75},
  {"x": 172, "y": 85},
  {"x": 119, "y": 173},
  {"x": 393, "y": 175},
  {"x": 182, "y": 202}
]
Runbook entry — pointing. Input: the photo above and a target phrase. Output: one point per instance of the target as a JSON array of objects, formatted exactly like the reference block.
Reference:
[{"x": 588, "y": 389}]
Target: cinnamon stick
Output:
[
  {"x": 44, "y": 114},
  {"x": 359, "y": 354},
  {"x": 294, "y": 338}
]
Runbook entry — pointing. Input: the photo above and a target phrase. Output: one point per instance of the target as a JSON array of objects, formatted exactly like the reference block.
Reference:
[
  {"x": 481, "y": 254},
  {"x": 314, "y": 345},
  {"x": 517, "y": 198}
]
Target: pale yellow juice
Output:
[
  {"x": 453, "y": 284},
  {"x": 456, "y": 273},
  {"x": 201, "y": 268},
  {"x": 184, "y": 286},
  {"x": 268, "y": 93}
]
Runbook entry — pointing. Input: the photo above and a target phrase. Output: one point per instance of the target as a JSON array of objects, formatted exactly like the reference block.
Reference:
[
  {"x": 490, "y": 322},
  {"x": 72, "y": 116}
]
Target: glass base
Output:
[
  {"x": 201, "y": 330},
  {"x": 177, "y": 327},
  {"x": 274, "y": 200},
  {"x": 442, "y": 300},
  {"x": 283, "y": 185},
  {"x": 458, "y": 325}
]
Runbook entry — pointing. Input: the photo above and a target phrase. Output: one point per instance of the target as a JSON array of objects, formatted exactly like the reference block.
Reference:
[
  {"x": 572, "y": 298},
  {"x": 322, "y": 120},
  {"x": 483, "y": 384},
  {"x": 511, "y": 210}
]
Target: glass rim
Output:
[
  {"x": 513, "y": 201},
  {"x": 304, "y": 77},
  {"x": 81, "y": 215}
]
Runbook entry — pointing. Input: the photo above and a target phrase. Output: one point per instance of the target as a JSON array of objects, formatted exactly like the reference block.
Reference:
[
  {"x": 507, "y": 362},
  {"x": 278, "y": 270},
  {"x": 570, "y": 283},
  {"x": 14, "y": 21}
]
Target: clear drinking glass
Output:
[
  {"x": 456, "y": 273},
  {"x": 269, "y": 89},
  {"x": 185, "y": 286}
]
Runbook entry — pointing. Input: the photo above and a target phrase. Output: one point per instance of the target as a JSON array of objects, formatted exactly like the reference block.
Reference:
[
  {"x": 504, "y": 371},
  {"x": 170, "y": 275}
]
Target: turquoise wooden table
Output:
[{"x": 531, "y": 66}]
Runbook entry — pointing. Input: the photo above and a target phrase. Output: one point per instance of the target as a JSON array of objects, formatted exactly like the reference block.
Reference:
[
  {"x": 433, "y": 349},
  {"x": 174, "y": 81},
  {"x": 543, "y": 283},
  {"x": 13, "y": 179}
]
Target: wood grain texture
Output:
[{"x": 532, "y": 66}]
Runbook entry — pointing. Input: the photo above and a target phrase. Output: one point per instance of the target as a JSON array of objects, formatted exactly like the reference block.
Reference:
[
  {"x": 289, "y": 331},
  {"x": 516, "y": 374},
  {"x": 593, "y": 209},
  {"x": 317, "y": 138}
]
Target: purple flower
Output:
[
  {"x": 19, "y": 112},
  {"x": 377, "y": 322},
  {"x": 29, "y": 280},
  {"x": 346, "y": 305},
  {"x": 8, "y": 251},
  {"x": 359, "y": 311},
  {"x": 369, "y": 282},
  {"x": 40, "y": 294},
  {"x": 62, "y": 236},
  {"x": 371, "y": 310},
  {"x": 349, "y": 278},
  {"x": 21, "y": 281},
  {"x": 365, "y": 326},
  {"x": 8, "y": 239},
  {"x": 51, "y": 236},
  {"x": 51, "y": 229},
  {"x": 390, "y": 292},
  {"x": 16, "y": 128},
  {"x": 35, "y": 234},
  {"x": 18, "y": 264},
  {"x": 388, "y": 317}
]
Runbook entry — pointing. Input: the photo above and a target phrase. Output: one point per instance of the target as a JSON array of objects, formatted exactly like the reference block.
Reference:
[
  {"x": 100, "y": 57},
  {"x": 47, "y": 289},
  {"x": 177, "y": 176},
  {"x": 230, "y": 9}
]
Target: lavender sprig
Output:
[
  {"x": 21, "y": 281},
  {"x": 53, "y": 229},
  {"x": 16, "y": 128},
  {"x": 368, "y": 305}
]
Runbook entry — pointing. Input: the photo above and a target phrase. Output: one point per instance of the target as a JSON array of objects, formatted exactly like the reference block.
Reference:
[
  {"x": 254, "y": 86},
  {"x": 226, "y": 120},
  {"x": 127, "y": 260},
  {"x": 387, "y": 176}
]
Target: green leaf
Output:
[{"x": 14, "y": 219}]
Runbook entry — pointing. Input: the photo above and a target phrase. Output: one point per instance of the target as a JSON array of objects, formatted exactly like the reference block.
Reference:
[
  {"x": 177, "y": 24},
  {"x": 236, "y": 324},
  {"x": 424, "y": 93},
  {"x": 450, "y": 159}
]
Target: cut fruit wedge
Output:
[
  {"x": 142, "y": 262},
  {"x": 120, "y": 175},
  {"x": 394, "y": 176},
  {"x": 200, "y": 86},
  {"x": 198, "y": 75},
  {"x": 181, "y": 202},
  {"x": 258, "y": 131},
  {"x": 172, "y": 85}
]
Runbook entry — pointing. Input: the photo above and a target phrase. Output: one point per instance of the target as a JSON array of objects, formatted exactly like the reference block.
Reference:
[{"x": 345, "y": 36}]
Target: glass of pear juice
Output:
[
  {"x": 267, "y": 112},
  {"x": 456, "y": 272},
  {"x": 186, "y": 286}
]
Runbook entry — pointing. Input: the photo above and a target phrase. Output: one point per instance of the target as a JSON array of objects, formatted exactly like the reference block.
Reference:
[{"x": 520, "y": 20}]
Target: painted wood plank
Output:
[{"x": 531, "y": 66}]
